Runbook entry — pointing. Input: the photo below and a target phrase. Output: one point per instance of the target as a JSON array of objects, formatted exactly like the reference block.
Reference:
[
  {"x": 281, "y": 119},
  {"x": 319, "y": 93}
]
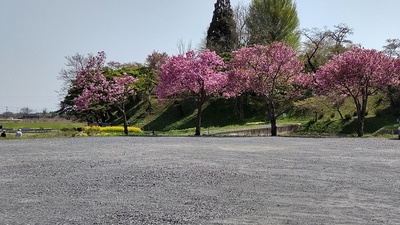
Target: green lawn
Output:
[{"x": 54, "y": 124}]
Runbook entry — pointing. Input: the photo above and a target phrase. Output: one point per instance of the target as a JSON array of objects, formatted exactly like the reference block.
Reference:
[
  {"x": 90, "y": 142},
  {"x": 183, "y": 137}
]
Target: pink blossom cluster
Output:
[
  {"x": 192, "y": 73},
  {"x": 357, "y": 72},
  {"x": 195, "y": 73},
  {"x": 96, "y": 89},
  {"x": 92, "y": 72},
  {"x": 121, "y": 88},
  {"x": 265, "y": 70}
]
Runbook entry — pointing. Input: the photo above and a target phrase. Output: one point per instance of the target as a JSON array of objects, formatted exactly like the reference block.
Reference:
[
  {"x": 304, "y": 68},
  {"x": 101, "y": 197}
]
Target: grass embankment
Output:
[
  {"x": 178, "y": 118},
  {"x": 380, "y": 121}
]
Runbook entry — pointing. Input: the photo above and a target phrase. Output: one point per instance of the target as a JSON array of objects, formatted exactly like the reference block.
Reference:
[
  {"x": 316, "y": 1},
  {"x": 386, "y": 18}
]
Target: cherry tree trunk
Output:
[
  {"x": 274, "y": 129},
  {"x": 122, "y": 109},
  {"x": 361, "y": 120},
  {"x": 360, "y": 129},
  {"x": 361, "y": 111},
  {"x": 125, "y": 125},
  {"x": 198, "y": 117},
  {"x": 271, "y": 113}
]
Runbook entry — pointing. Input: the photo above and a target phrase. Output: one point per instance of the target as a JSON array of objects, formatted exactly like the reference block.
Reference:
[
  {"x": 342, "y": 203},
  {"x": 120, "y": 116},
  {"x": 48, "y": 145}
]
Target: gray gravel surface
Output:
[{"x": 188, "y": 180}]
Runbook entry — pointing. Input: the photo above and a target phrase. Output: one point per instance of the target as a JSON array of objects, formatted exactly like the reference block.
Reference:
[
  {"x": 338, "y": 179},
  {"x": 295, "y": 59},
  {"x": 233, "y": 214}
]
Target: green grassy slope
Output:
[
  {"x": 219, "y": 112},
  {"x": 178, "y": 115}
]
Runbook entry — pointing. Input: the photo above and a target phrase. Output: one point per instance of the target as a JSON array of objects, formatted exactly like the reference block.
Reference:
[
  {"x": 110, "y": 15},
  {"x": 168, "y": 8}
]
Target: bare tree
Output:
[
  {"x": 8, "y": 114},
  {"x": 45, "y": 112},
  {"x": 392, "y": 49},
  {"x": 155, "y": 60},
  {"x": 240, "y": 13},
  {"x": 114, "y": 65},
  {"x": 26, "y": 111},
  {"x": 202, "y": 45},
  {"x": 183, "y": 47},
  {"x": 339, "y": 38},
  {"x": 320, "y": 45},
  {"x": 316, "y": 42},
  {"x": 67, "y": 75},
  {"x": 153, "y": 63}
]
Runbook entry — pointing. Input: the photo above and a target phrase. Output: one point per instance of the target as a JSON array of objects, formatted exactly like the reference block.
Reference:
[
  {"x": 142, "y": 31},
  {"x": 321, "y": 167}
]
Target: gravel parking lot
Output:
[{"x": 203, "y": 180}]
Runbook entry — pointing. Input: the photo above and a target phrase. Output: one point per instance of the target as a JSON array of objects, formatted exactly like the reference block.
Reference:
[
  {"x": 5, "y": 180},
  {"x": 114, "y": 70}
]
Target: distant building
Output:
[{"x": 31, "y": 116}]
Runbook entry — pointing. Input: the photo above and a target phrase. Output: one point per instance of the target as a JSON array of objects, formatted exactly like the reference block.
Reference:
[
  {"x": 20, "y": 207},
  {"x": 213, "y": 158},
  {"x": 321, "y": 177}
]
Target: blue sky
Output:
[{"x": 36, "y": 35}]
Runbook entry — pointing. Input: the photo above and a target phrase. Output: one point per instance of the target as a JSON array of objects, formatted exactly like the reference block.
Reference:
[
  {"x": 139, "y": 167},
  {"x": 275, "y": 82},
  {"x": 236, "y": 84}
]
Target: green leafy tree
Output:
[
  {"x": 273, "y": 20},
  {"x": 221, "y": 35},
  {"x": 145, "y": 80}
]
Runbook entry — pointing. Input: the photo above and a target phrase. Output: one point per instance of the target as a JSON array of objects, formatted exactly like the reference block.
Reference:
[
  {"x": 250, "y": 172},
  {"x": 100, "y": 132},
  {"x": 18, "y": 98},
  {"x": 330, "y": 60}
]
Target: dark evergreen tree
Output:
[{"x": 221, "y": 35}]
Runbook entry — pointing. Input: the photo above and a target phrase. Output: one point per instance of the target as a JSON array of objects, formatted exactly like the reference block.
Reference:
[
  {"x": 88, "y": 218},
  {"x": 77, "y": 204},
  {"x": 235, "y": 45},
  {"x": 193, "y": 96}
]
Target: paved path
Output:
[{"x": 200, "y": 180}]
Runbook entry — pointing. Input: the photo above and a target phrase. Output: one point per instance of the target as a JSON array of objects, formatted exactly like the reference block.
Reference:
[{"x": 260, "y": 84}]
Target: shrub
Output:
[
  {"x": 91, "y": 130},
  {"x": 321, "y": 126},
  {"x": 347, "y": 117},
  {"x": 81, "y": 134},
  {"x": 65, "y": 129},
  {"x": 378, "y": 113}
]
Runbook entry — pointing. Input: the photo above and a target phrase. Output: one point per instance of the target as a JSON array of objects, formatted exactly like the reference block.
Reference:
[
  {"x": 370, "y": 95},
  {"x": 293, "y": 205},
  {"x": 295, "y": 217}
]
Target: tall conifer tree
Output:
[{"x": 221, "y": 35}]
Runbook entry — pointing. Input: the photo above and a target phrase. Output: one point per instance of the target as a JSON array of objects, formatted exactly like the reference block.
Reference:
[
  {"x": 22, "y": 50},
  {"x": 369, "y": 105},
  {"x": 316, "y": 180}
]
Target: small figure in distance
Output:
[
  {"x": 19, "y": 133},
  {"x": 3, "y": 133},
  {"x": 398, "y": 132},
  {"x": 398, "y": 129}
]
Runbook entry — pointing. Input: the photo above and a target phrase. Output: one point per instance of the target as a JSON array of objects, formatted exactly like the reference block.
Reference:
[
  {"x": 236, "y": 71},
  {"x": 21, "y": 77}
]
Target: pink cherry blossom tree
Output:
[
  {"x": 97, "y": 90},
  {"x": 268, "y": 71},
  {"x": 358, "y": 73},
  {"x": 120, "y": 91},
  {"x": 199, "y": 75},
  {"x": 92, "y": 82}
]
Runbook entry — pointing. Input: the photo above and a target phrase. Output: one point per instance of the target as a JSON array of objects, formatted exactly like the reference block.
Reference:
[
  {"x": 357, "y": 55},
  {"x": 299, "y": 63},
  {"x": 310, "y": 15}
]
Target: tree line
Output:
[{"x": 249, "y": 51}]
